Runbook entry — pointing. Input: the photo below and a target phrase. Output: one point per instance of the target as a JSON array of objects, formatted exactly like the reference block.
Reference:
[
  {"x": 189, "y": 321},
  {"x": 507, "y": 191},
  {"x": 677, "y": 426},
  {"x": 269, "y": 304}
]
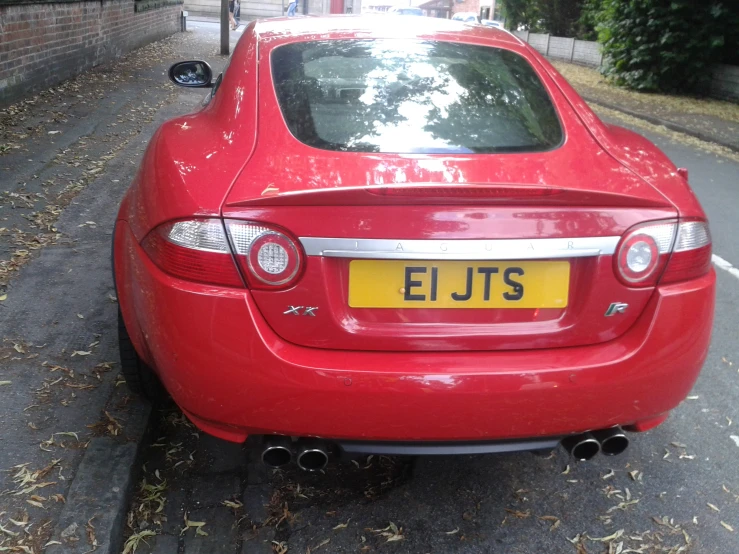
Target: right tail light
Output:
[
  {"x": 268, "y": 257},
  {"x": 664, "y": 252},
  {"x": 691, "y": 255}
]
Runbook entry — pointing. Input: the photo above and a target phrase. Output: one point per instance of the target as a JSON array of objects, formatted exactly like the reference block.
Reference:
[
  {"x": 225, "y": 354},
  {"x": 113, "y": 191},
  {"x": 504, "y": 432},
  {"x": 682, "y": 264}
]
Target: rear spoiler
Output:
[{"x": 443, "y": 194}]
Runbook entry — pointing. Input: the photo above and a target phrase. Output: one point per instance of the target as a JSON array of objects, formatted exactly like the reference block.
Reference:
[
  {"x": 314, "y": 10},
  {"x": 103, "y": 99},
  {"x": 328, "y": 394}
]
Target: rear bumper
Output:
[{"x": 234, "y": 376}]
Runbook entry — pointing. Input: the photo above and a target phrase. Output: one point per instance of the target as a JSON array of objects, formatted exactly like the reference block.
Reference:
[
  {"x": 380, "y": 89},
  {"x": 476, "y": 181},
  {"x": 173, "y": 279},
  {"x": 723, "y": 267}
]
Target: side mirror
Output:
[{"x": 193, "y": 73}]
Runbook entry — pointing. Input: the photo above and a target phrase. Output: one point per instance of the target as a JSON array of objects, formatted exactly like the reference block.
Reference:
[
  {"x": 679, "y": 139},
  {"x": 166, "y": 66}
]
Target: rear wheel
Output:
[{"x": 140, "y": 378}]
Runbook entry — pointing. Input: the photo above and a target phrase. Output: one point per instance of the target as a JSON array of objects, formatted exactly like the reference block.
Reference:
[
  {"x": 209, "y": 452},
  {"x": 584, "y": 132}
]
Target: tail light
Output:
[
  {"x": 195, "y": 250},
  {"x": 268, "y": 257},
  {"x": 672, "y": 250},
  {"x": 691, "y": 255},
  {"x": 199, "y": 250}
]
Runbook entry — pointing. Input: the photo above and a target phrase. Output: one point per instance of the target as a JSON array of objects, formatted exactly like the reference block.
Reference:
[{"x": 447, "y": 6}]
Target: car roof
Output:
[{"x": 288, "y": 29}]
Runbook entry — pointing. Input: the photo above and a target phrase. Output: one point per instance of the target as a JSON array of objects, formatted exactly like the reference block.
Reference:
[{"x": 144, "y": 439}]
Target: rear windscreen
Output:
[{"x": 407, "y": 96}]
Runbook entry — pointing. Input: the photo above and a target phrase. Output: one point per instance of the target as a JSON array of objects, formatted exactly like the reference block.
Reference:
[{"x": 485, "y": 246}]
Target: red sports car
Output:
[{"x": 388, "y": 237}]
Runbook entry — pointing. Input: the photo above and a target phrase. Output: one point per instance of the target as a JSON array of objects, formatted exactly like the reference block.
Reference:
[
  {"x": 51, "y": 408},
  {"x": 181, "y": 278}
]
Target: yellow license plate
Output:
[{"x": 458, "y": 284}]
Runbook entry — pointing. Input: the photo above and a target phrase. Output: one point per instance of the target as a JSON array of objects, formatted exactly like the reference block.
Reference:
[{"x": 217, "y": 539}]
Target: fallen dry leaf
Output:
[{"x": 342, "y": 525}]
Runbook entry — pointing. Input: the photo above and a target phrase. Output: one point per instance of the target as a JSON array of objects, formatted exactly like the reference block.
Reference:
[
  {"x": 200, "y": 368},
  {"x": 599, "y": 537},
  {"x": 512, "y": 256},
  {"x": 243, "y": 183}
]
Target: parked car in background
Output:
[
  {"x": 405, "y": 11},
  {"x": 492, "y": 23},
  {"x": 467, "y": 17},
  {"x": 408, "y": 239}
]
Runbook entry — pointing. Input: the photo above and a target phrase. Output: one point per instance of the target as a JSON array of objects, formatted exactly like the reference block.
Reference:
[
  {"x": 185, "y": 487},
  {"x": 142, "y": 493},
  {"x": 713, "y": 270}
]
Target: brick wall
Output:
[
  {"x": 44, "y": 44},
  {"x": 467, "y": 6}
]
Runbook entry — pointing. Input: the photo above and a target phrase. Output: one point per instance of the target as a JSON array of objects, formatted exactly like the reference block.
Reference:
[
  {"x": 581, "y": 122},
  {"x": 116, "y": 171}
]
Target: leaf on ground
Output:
[
  {"x": 519, "y": 514},
  {"x": 277, "y": 547},
  {"x": 197, "y": 525},
  {"x": 555, "y": 521},
  {"x": 80, "y": 353},
  {"x": 727, "y": 526},
  {"x": 392, "y": 533},
  {"x": 713, "y": 507},
  {"x": 235, "y": 504},
  {"x": 5, "y": 383},
  {"x": 342, "y": 525},
  {"x": 609, "y": 538},
  {"x": 3, "y": 297},
  {"x": 133, "y": 542},
  {"x": 452, "y": 532},
  {"x": 324, "y": 542}
]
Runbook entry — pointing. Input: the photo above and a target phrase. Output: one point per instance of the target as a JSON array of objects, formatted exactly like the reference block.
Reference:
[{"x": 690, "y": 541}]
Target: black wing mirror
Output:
[{"x": 193, "y": 73}]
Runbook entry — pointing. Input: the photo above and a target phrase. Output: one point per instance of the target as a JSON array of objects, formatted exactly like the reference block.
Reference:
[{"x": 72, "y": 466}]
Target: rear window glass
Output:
[{"x": 412, "y": 97}]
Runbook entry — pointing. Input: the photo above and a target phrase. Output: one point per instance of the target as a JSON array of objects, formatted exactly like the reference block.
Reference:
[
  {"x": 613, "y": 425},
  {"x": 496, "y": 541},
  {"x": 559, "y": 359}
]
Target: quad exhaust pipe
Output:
[
  {"x": 612, "y": 441},
  {"x": 583, "y": 447},
  {"x": 277, "y": 451},
  {"x": 310, "y": 454}
]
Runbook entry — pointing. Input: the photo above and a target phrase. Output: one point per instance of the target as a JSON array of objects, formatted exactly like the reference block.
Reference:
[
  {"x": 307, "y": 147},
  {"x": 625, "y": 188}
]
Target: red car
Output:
[{"x": 393, "y": 238}]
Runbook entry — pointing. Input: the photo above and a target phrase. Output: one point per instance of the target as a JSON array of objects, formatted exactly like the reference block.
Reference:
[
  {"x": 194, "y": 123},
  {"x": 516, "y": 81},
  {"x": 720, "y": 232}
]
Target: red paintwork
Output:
[{"x": 237, "y": 366}]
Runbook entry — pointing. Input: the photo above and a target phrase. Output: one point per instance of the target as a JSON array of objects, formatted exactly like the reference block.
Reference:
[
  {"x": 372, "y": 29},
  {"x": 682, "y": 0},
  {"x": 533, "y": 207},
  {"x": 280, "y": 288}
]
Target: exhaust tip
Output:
[
  {"x": 582, "y": 447},
  {"x": 312, "y": 456},
  {"x": 276, "y": 456},
  {"x": 277, "y": 452},
  {"x": 612, "y": 441}
]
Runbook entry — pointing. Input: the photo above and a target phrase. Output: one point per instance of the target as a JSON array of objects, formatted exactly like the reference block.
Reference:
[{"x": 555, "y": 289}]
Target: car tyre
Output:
[{"x": 140, "y": 378}]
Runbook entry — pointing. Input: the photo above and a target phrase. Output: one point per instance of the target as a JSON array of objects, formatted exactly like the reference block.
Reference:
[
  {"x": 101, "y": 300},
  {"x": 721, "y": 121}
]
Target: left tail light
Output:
[
  {"x": 199, "y": 250},
  {"x": 194, "y": 250}
]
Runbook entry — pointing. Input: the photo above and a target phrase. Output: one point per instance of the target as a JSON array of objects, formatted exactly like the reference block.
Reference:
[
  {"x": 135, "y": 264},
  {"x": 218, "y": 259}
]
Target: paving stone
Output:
[
  {"x": 218, "y": 456},
  {"x": 211, "y": 491},
  {"x": 223, "y": 533},
  {"x": 255, "y": 500},
  {"x": 161, "y": 544},
  {"x": 259, "y": 542},
  {"x": 174, "y": 509},
  {"x": 99, "y": 493}
]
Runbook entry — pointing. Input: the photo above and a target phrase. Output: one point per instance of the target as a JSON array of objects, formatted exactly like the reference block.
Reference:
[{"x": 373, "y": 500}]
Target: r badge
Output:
[{"x": 616, "y": 308}]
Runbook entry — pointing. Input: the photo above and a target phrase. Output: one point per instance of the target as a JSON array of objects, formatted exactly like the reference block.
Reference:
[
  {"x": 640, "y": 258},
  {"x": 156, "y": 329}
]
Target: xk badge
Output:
[{"x": 296, "y": 310}]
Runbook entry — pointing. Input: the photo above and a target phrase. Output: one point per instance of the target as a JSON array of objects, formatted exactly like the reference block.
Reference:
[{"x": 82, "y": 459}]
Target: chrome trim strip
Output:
[
  {"x": 356, "y": 448},
  {"x": 482, "y": 249}
]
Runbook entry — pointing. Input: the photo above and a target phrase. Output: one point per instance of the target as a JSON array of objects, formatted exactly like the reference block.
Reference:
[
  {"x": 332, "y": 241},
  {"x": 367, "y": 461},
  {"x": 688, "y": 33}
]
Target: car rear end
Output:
[{"x": 426, "y": 245}]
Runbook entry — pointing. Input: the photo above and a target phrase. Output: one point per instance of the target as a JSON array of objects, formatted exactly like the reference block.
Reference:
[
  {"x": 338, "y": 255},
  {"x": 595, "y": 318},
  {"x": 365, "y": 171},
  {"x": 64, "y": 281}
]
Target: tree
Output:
[
  {"x": 522, "y": 13},
  {"x": 662, "y": 45},
  {"x": 558, "y": 17}
]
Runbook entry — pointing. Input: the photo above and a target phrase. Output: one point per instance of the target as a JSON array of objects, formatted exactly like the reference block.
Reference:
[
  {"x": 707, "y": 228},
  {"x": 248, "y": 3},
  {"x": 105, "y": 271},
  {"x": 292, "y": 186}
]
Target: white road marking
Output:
[
  {"x": 726, "y": 266},
  {"x": 735, "y": 439}
]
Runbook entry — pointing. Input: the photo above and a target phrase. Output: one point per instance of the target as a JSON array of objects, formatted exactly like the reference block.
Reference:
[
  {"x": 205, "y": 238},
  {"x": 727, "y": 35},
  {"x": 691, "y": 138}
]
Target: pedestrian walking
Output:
[
  {"x": 292, "y": 7},
  {"x": 231, "y": 19}
]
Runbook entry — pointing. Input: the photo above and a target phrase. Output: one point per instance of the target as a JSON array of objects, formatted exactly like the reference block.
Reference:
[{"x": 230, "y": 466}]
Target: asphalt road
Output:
[{"x": 675, "y": 490}]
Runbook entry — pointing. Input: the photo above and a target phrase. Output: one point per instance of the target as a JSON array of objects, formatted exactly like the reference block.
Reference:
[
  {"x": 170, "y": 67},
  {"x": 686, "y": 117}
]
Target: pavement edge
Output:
[
  {"x": 94, "y": 515},
  {"x": 658, "y": 121}
]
